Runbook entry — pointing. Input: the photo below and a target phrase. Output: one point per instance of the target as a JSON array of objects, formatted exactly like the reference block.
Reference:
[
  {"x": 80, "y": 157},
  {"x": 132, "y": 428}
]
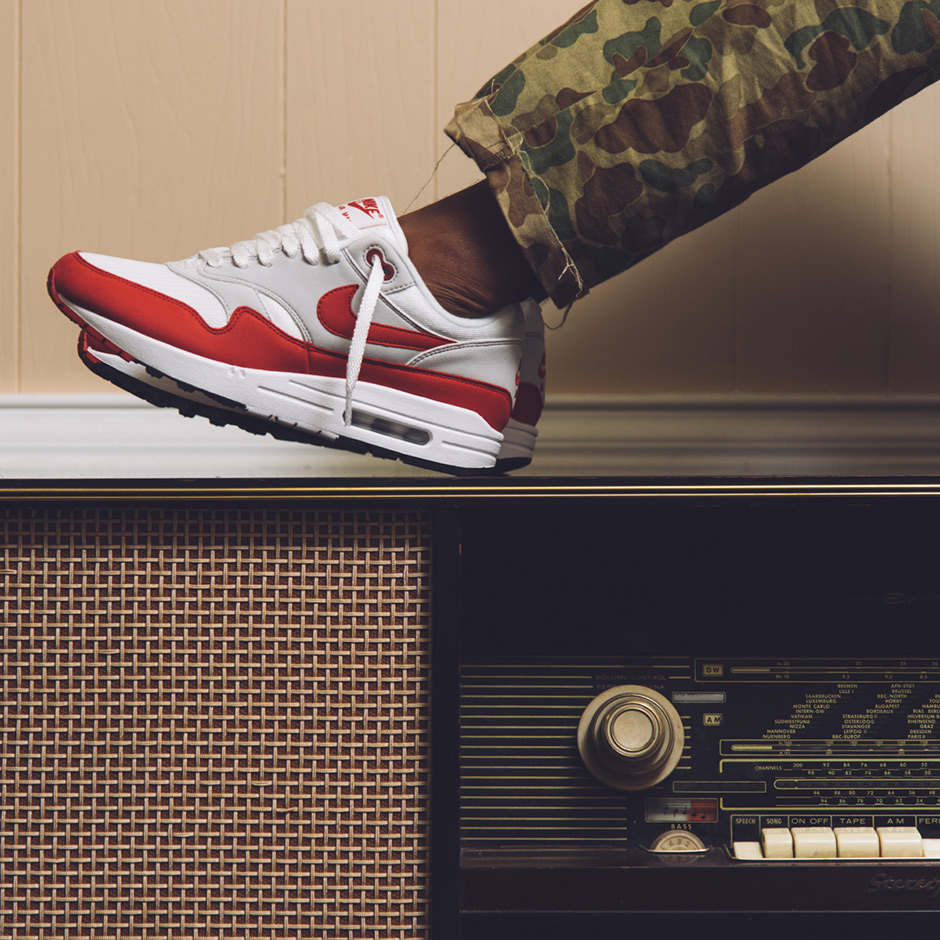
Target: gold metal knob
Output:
[
  {"x": 677, "y": 840},
  {"x": 630, "y": 737}
]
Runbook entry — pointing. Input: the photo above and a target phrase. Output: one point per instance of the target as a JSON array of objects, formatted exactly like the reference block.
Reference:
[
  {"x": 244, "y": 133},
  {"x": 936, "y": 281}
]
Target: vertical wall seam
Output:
[
  {"x": 435, "y": 94},
  {"x": 284, "y": 111},
  {"x": 18, "y": 201},
  {"x": 888, "y": 334}
]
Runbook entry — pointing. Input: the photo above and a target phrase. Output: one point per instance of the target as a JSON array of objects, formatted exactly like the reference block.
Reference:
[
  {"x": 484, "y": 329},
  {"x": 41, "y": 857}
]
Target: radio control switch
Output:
[
  {"x": 931, "y": 848},
  {"x": 857, "y": 842},
  {"x": 777, "y": 842},
  {"x": 900, "y": 842},
  {"x": 813, "y": 842},
  {"x": 747, "y": 850}
]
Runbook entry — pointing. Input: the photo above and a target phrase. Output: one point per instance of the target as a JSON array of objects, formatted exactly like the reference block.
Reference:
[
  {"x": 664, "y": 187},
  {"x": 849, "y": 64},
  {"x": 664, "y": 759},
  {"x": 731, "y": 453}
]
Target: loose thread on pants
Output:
[
  {"x": 564, "y": 317},
  {"x": 569, "y": 266},
  {"x": 431, "y": 177}
]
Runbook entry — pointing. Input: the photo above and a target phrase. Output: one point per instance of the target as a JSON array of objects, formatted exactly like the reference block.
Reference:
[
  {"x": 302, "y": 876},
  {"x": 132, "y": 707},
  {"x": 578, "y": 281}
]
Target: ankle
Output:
[{"x": 466, "y": 254}]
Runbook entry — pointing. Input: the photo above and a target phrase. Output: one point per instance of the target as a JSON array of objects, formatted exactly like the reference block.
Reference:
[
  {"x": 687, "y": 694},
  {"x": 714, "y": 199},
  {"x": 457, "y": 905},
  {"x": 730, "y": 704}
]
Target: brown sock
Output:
[{"x": 464, "y": 251}]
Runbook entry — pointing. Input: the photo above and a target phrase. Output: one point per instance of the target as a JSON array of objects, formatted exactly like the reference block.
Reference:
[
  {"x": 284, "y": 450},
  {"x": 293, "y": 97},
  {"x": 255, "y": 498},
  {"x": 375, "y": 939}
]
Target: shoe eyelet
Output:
[{"x": 388, "y": 270}]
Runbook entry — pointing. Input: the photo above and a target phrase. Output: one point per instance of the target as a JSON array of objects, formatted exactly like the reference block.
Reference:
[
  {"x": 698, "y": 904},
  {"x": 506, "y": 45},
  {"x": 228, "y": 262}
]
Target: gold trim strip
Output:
[{"x": 431, "y": 491}]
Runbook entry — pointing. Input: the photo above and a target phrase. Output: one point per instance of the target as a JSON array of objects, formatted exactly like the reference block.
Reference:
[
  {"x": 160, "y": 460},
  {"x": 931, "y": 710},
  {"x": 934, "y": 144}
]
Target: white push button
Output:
[
  {"x": 747, "y": 850},
  {"x": 856, "y": 842},
  {"x": 813, "y": 842},
  {"x": 776, "y": 842},
  {"x": 931, "y": 848},
  {"x": 900, "y": 842}
]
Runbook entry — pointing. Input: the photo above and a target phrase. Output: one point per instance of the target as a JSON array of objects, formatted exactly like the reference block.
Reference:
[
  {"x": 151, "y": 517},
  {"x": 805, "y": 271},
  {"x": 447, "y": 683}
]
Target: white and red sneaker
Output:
[
  {"x": 519, "y": 435},
  {"x": 322, "y": 327}
]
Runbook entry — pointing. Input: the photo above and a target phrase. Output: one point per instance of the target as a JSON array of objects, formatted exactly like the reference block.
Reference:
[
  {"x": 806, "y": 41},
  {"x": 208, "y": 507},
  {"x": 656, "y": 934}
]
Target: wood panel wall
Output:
[{"x": 153, "y": 129}]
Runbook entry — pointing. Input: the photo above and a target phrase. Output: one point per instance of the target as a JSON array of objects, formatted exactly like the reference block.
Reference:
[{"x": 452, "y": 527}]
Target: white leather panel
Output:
[
  {"x": 279, "y": 315},
  {"x": 160, "y": 278}
]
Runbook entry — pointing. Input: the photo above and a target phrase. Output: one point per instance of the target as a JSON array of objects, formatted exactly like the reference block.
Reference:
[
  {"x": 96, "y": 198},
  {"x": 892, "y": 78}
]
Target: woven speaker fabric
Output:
[{"x": 215, "y": 723}]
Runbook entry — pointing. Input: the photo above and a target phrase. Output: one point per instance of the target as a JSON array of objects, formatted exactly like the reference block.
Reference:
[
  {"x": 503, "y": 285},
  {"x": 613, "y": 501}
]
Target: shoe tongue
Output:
[{"x": 375, "y": 215}]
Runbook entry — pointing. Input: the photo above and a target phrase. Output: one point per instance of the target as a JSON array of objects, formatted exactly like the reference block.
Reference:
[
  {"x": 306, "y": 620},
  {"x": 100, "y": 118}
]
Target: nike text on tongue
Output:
[{"x": 363, "y": 213}]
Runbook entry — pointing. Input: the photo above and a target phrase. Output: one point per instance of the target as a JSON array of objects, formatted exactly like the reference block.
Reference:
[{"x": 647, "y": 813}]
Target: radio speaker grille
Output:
[{"x": 215, "y": 723}]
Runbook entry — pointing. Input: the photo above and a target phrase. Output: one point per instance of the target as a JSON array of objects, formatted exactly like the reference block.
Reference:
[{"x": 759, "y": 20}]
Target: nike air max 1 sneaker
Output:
[
  {"x": 519, "y": 435},
  {"x": 323, "y": 327}
]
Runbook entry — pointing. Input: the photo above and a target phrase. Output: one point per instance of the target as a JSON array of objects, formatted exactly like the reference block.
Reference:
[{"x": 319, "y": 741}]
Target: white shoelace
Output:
[{"x": 321, "y": 231}]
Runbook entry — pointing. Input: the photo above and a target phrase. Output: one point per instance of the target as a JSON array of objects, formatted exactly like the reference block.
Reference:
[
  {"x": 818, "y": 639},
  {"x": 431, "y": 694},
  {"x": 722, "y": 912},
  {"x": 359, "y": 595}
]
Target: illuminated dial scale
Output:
[{"x": 771, "y": 760}]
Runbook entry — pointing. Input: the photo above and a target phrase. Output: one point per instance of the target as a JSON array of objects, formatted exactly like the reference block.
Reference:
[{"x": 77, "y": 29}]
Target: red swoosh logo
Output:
[{"x": 336, "y": 313}]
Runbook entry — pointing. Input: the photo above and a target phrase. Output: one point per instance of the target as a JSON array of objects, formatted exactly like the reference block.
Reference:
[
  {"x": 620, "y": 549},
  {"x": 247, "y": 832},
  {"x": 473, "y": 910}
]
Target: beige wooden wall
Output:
[{"x": 154, "y": 128}]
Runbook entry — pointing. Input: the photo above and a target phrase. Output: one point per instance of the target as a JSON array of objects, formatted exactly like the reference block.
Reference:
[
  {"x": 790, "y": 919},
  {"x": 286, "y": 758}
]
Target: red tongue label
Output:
[{"x": 363, "y": 213}]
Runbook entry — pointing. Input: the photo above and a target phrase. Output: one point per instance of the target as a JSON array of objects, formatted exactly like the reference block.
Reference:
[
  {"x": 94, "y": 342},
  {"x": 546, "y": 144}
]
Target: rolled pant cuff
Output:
[{"x": 480, "y": 135}]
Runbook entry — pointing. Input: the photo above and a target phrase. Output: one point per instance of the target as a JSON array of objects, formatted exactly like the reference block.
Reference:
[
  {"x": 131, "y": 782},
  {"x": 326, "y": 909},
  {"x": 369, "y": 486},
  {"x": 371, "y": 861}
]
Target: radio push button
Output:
[
  {"x": 900, "y": 842},
  {"x": 776, "y": 842},
  {"x": 856, "y": 842},
  {"x": 813, "y": 842},
  {"x": 747, "y": 850},
  {"x": 931, "y": 848},
  {"x": 630, "y": 737}
]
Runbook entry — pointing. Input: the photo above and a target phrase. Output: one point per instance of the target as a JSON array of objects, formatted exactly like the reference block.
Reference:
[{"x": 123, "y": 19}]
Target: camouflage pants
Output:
[{"x": 639, "y": 120}]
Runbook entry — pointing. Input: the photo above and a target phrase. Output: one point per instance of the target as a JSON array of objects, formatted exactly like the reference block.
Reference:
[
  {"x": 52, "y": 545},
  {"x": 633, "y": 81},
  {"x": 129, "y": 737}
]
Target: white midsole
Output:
[
  {"x": 440, "y": 432},
  {"x": 518, "y": 440}
]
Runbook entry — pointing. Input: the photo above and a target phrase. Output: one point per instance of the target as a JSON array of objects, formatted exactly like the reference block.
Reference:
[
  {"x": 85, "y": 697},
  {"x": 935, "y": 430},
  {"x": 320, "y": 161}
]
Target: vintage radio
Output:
[{"x": 697, "y": 711}]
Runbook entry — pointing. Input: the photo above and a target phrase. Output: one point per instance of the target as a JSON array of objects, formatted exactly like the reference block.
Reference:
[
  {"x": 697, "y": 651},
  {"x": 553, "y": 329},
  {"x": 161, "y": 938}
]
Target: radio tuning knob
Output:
[
  {"x": 630, "y": 737},
  {"x": 677, "y": 840}
]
